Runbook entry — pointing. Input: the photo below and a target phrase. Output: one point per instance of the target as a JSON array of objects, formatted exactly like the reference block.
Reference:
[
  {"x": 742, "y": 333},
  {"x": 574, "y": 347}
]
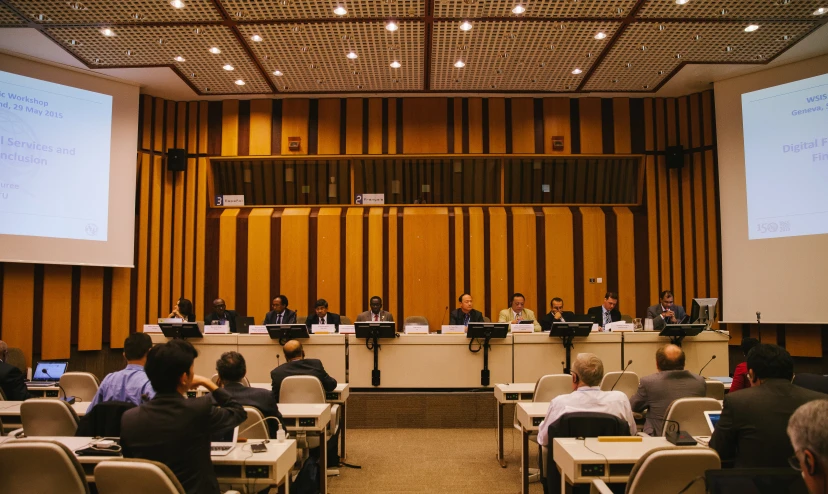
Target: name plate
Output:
[
  {"x": 347, "y": 329},
  {"x": 257, "y": 329},
  {"x": 523, "y": 328},
  {"x": 216, "y": 329},
  {"x": 453, "y": 329},
  {"x": 323, "y": 328},
  {"x": 416, "y": 329},
  {"x": 620, "y": 326},
  {"x": 152, "y": 328}
]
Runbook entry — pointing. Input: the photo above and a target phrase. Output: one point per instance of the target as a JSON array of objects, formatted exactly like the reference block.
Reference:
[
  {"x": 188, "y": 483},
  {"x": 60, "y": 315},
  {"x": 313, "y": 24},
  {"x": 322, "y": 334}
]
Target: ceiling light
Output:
[
  {"x": 77, "y": 5},
  {"x": 177, "y": 4},
  {"x": 724, "y": 11},
  {"x": 192, "y": 74},
  {"x": 395, "y": 64},
  {"x": 138, "y": 16},
  {"x": 278, "y": 73},
  {"x": 107, "y": 32},
  {"x": 207, "y": 89},
  {"x": 682, "y": 2},
  {"x": 391, "y": 26},
  {"x": 465, "y": 26},
  {"x": 577, "y": 71},
  {"x": 179, "y": 58},
  {"x": 130, "y": 53},
  {"x": 493, "y": 86},
  {"x": 728, "y": 49},
  {"x": 643, "y": 47},
  {"x": 340, "y": 10},
  {"x": 256, "y": 38},
  {"x": 751, "y": 28},
  {"x": 820, "y": 11},
  {"x": 356, "y": 72},
  {"x": 359, "y": 86},
  {"x": 760, "y": 57},
  {"x": 660, "y": 72},
  {"x": 214, "y": 50},
  {"x": 600, "y": 35},
  {"x": 459, "y": 64},
  {"x": 628, "y": 65},
  {"x": 697, "y": 37},
  {"x": 74, "y": 42},
  {"x": 239, "y": 82},
  {"x": 662, "y": 27},
  {"x": 646, "y": 86},
  {"x": 519, "y": 9},
  {"x": 678, "y": 55},
  {"x": 227, "y": 67},
  {"x": 352, "y": 55}
]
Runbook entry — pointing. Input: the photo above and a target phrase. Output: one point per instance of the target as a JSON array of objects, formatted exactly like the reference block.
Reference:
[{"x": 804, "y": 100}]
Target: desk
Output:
[
  {"x": 209, "y": 349},
  {"x": 641, "y": 347},
  {"x": 428, "y": 361},
  {"x": 44, "y": 391},
  {"x": 310, "y": 418},
  {"x": 538, "y": 354},
  {"x": 509, "y": 393},
  {"x": 530, "y": 416}
]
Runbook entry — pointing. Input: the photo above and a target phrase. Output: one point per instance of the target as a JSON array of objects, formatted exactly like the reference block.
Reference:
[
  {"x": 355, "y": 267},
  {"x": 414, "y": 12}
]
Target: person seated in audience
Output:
[
  {"x": 606, "y": 312},
  {"x": 586, "y": 396},
  {"x": 751, "y": 430},
  {"x": 131, "y": 384},
  {"x": 465, "y": 313},
  {"x": 279, "y": 312},
  {"x": 297, "y": 365},
  {"x": 174, "y": 430},
  {"x": 221, "y": 315},
  {"x": 808, "y": 430},
  {"x": 231, "y": 369},
  {"x": 557, "y": 314},
  {"x": 376, "y": 313},
  {"x": 517, "y": 313},
  {"x": 671, "y": 382},
  {"x": 322, "y": 315},
  {"x": 665, "y": 311},
  {"x": 12, "y": 381},
  {"x": 183, "y": 309},
  {"x": 740, "y": 377}
]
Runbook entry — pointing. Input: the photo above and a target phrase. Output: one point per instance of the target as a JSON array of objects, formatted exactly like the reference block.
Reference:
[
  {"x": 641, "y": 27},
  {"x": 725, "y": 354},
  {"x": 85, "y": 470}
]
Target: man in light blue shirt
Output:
[{"x": 131, "y": 384}]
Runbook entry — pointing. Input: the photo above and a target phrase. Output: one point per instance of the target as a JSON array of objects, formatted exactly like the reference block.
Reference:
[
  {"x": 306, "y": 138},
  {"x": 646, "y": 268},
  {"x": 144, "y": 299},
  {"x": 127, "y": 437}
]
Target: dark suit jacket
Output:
[
  {"x": 303, "y": 367},
  {"x": 289, "y": 317},
  {"x": 231, "y": 316},
  {"x": 657, "y": 391},
  {"x": 13, "y": 383},
  {"x": 458, "y": 317},
  {"x": 654, "y": 313},
  {"x": 547, "y": 320},
  {"x": 259, "y": 398},
  {"x": 176, "y": 431},
  {"x": 598, "y": 314},
  {"x": 753, "y": 427},
  {"x": 331, "y": 318}
]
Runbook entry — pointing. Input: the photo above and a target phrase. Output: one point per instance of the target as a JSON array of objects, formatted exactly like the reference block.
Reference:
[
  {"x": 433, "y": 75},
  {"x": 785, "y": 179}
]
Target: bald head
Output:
[
  {"x": 670, "y": 357},
  {"x": 293, "y": 350}
]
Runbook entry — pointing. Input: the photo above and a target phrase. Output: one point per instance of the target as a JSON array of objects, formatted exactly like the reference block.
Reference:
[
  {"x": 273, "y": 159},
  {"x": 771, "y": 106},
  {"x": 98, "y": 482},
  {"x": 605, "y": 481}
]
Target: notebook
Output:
[
  {"x": 222, "y": 443},
  {"x": 47, "y": 373}
]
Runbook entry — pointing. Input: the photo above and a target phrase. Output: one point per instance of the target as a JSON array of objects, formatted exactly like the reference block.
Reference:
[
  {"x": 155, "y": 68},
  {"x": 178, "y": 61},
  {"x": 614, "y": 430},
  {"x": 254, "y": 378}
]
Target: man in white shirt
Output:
[{"x": 587, "y": 372}]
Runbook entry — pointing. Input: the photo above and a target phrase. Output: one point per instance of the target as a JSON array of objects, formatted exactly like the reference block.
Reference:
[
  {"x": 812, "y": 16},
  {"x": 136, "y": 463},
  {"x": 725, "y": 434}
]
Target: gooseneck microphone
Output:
[
  {"x": 444, "y": 315},
  {"x": 705, "y": 365},
  {"x": 629, "y": 363},
  {"x": 68, "y": 399}
]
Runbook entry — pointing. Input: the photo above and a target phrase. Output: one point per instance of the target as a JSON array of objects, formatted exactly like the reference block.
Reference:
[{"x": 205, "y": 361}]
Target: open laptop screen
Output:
[
  {"x": 225, "y": 436},
  {"x": 49, "y": 371},
  {"x": 712, "y": 419}
]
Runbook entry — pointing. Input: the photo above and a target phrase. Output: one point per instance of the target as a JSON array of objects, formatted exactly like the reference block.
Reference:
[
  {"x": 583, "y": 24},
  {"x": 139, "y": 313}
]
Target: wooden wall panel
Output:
[
  {"x": 621, "y": 125},
  {"x": 295, "y": 117},
  {"x": 153, "y": 279},
  {"x": 424, "y": 125},
  {"x": 230, "y": 127},
  {"x": 261, "y": 126},
  {"x": 525, "y": 255},
  {"x": 158, "y": 121},
  {"x": 295, "y": 256},
  {"x": 166, "y": 236},
  {"x": 327, "y": 255},
  {"x": 457, "y": 114},
  {"x": 353, "y": 125},
  {"x": 192, "y": 127},
  {"x": 353, "y": 263},
  {"x": 497, "y": 125},
  {"x": 556, "y": 123},
  {"x": 120, "y": 307},
  {"x": 595, "y": 255},
  {"x": 425, "y": 263},
  {"x": 712, "y": 224},
  {"x": 144, "y": 172},
  {"x": 698, "y": 214},
  {"x": 475, "y": 125},
  {"x": 523, "y": 125},
  {"x": 227, "y": 257},
  {"x": 90, "y": 301},
  {"x": 392, "y": 304},
  {"x": 591, "y": 126},
  {"x": 477, "y": 265},
  {"x": 329, "y": 126},
  {"x": 459, "y": 254},
  {"x": 375, "y": 268},
  {"x": 375, "y": 126},
  {"x": 392, "y": 125},
  {"x": 625, "y": 242},
  {"x": 803, "y": 340},
  {"x": 560, "y": 248},
  {"x": 258, "y": 263},
  {"x": 498, "y": 263},
  {"x": 57, "y": 327},
  {"x": 201, "y": 205},
  {"x": 177, "y": 233},
  {"x": 18, "y": 307},
  {"x": 202, "y": 127}
]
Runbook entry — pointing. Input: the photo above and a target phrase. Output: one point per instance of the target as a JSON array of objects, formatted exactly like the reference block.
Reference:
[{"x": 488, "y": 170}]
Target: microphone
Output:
[
  {"x": 705, "y": 365},
  {"x": 677, "y": 437},
  {"x": 68, "y": 399},
  {"x": 629, "y": 363},
  {"x": 563, "y": 364},
  {"x": 444, "y": 315},
  {"x": 758, "y": 317}
]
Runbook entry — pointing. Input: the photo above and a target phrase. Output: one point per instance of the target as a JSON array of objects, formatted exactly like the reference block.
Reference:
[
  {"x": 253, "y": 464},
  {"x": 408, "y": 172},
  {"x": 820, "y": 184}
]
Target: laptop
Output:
[
  {"x": 712, "y": 419},
  {"x": 243, "y": 324},
  {"x": 222, "y": 443},
  {"x": 47, "y": 373}
]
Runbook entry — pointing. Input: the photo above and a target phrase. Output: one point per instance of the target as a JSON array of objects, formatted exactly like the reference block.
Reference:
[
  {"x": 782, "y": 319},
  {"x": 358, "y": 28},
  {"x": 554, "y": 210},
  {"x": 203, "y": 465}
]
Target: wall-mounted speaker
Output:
[
  {"x": 176, "y": 160},
  {"x": 675, "y": 156}
]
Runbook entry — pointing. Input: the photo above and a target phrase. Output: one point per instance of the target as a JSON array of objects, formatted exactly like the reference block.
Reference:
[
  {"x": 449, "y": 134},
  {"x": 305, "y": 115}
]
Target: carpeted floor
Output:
[{"x": 447, "y": 461}]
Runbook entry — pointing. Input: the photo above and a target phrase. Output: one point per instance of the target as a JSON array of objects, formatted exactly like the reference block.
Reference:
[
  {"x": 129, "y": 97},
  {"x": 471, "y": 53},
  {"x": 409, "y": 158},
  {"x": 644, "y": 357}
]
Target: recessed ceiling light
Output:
[
  {"x": 313, "y": 66},
  {"x": 760, "y": 57},
  {"x": 589, "y": 55},
  {"x": 820, "y": 11},
  {"x": 550, "y": 47},
  {"x": 643, "y": 47},
  {"x": 138, "y": 16},
  {"x": 206, "y": 89},
  {"x": 340, "y": 10},
  {"x": 678, "y": 55},
  {"x": 725, "y": 11},
  {"x": 215, "y": 50},
  {"x": 459, "y": 64},
  {"x": 198, "y": 30},
  {"x": 493, "y": 86},
  {"x": 130, "y": 53},
  {"x": 297, "y": 29},
  {"x": 662, "y": 27},
  {"x": 285, "y": 3},
  {"x": 107, "y": 32},
  {"x": 305, "y": 49},
  {"x": 751, "y": 28},
  {"x": 660, "y": 72},
  {"x": 728, "y": 49},
  {"x": 356, "y": 72},
  {"x": 352, "y": 55},
  {"x": 240, "y": 14},
  {"x": 239, "y": 82},
  {"x": 542, "y": 64},
  {"x": 177, "y": 4},
  {"x": 785, "y": 37},
  {"x": 395, "y": 81},
  {"x": 359, "y": 86},
  {"x": 346, "y": 37},
  {"x": 160, "y": 41},
  {"x": 74, "y": 42},
  {"x": 465, "y": 26},
  {"x": 499, "y": 71},
  {"x": 395, "y": 64},
  {"x": 783, "y": 2},
  {"x": 391, "y": 26},
  {"x": 646, "y": 86},
  {"x": 628, "y": 65},
  {"x": 192, "y": 74},
  {"x": 682, "y": 2},
  {"x": 278, "y": 73},
  {"x": 77, "y": 5},
  {"x": 98, "y": 60},
  {"x": 256, "y": 38},
  {"x": 519, "y": 9},
  {"x": 577, "y": 71},
  {"x": 697, "y": 37},
  {"x": 615, "y": 80},
  {"x": 600, "y": 35},
  {"x": 504, "y": 55},
  {"x": 228, "y": 67},
  {"x": 179, "y": 58},
  {"x": 285, "y": 88}
]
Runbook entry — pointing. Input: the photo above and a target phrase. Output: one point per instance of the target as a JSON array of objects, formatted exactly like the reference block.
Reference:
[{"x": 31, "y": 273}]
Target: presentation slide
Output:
[
  {"x": 54, "y": 159},
  {"x": 786, "y": 159}
]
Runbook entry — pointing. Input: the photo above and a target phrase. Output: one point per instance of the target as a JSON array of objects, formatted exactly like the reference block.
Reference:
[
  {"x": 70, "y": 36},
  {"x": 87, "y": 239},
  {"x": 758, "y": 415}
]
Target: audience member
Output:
[
  {"x": 12, "y": 381},
  {"x": 231, "y": 369},
  {"x": 297, "y": 365},
  {"x": 808, "y": 430},
  {"x": 131, "y": 384},
  {"x": 740, "y": 379}
]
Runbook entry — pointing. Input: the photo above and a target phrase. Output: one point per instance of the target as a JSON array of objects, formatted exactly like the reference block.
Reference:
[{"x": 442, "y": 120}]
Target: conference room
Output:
[{"x": 522, "y": 247}]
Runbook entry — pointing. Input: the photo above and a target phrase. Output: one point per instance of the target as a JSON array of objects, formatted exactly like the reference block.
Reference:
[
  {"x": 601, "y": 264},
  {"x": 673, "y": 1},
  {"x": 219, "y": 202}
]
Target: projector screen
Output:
[
  {"x": 67, "y": 166},
  {"x": 772, "y": 137}
]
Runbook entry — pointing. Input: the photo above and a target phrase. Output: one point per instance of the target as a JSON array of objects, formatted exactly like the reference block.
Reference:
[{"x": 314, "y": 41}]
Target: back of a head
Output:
[
  {"x": 808, "y": 429},
  {"x": 748, "y": 344},
  {"x": 770, "y": 362},
  {"x": 589, "y": 368},
  {"x": 292, "y": 349},
  {"x": 137, "y": 345},
  {"x": 670, "y": 357},
  {"x": 166, "y": 363},
  {"x": 231, "y": 367}
]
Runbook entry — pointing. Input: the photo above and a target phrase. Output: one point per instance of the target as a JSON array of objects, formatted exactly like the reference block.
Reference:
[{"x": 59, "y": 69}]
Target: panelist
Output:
[
  {"x": 466, "y": 313},
  {"x": 376, "y": 313},
  {"x": 606, "y": 312},
  {"x": 808, "y": 430},
  {"x": 517, "y": 313},
  {"x": 322, "y": 315},
  {"x": 130, "y": 384},
  {"x": 183, "y": 309},
  {"x": 12, "y": 381},
  {"x": 557, "y": 314},
  {"x": 279, "y": 312},
  {"x": 221, "y": 315},
  {"x": 665, "y": 311},
  {"x": 231, "y": 369},
  {"x": 671, "y": 382}
]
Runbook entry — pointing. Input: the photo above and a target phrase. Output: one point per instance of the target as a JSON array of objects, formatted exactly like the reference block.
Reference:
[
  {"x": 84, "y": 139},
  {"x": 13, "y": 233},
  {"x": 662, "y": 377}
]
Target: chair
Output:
[
  {"x": 308, "y": 389},
  {"x": 17, "y": 358},
  {"x": 134, "y": 476},
  {"x": 420, "y": 320},
  {"x": 48, "y": 417},
  {"x": 301, "y": 319},
  {"x": 814, "y": 382},
  {"x": 103, "y": 420},
  {"x": 244, "y": 381},
  {"x": 627, "y": 384},
  {"x": 40, "y": 466},
  {"x": 684, "y": 464},
  {"x": 626, "y": 318},
  {"x": 689, "y": 413},
  {"x": 81, "y": 385},
  {"x": 254, "y": 427},
  {"x": 715, "y": 389},
  {"x": 486, "y": 319},
  {"x": 345, "y": 320},
  {"x": 547, "y": 388}
]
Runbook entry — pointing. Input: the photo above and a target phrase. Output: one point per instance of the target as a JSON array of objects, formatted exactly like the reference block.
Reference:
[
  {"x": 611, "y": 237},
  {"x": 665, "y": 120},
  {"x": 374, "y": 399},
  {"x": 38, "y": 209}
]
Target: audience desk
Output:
[
  {"x": 529, "y": 416},
  {"x": 509, "y": 393},
  {"x": 641, "y": 348},
  {"x": 310, "y": 418},
  {"x": 538, "y": 354}
]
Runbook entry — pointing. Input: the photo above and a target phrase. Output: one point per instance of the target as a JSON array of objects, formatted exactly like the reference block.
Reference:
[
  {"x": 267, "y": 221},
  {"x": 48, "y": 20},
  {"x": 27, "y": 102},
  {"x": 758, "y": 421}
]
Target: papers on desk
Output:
[
  {"x": 453, "y": 329},
  {"x": 152, "y": 328}
]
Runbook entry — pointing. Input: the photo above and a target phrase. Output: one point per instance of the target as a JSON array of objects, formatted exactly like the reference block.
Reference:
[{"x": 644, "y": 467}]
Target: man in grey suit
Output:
[
  {"x": 376, "y": 313},
  {"x": 665, "y": 311},
  {"x": 671, "y": 382}
]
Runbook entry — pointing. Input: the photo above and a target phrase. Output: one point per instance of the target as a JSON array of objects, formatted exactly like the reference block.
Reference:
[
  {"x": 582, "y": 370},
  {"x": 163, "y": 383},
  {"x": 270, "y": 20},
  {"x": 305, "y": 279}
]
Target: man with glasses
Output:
[
  {"x": 279, "y": 312},
  {"x": 808, "y": 430},
  {"x": 221, "y": 315}
]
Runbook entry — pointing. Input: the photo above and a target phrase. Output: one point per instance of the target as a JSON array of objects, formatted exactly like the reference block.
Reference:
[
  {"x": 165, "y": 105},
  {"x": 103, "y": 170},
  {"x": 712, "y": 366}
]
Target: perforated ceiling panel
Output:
[
  {"x": 9, "y": 18},
  {"x": 646, "y": 53},
  {"x": 159, "y": 45},
  {"x": 313, "y": 56},
  {"x": 529, "y": 55},
  {"x": 114, "y": 11},
  {"x": 473, "y": 9},
  {"x": 246, "y": 10},
  {"x": 739, "y": 9}
]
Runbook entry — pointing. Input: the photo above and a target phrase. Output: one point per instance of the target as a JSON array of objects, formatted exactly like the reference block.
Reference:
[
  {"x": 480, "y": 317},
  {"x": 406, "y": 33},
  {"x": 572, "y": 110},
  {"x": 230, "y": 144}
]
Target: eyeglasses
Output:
[{"x": 793, "y": 461}]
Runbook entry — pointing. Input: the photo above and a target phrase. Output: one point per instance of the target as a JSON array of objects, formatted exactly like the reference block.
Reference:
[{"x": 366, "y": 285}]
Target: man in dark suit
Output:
[
  {"x": 174, "y": 430},
  {"x": 557, "y": 314},
  {"x": 297, "y": 365},
  {"x": 376, "y": 313},
  {"x": 606, "y": 312},
  {"x": 12, "y": 381},
  {"x": 466, "y": 313},
  {"x": 279, "y": 312},
  {"x": 231, "y": 369},
  {"x": 752, "y": 429},
  {"x": 665, "y": 311},
  {"x": 221, "y": 315},
  {"x": 322, "y": 315},
  {"x": 671, "y": 382}
]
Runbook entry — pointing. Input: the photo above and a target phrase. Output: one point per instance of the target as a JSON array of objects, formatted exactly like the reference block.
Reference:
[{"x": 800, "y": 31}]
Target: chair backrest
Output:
[
  {"x": 48, "y": 417},
  {"x": 345, "y": 320},
  {"x": 814, "y": 382},
  {"x": 81, "y": 385},
  {"x": 301, "y": 389},
  {"x": 301, "y": 319},
  {"x": 134, "y": 476},
  {"x": 28, "y": 465},
  {"x": 2, "y": 395},
  {"x": 416, "y": 320},
  {"x": 588, "y": 424},
  {"x": 714, "y": 389},
  {"x": 103, "y": 420},
  {"x": 627, "y": 384},
  {"x": 552, "y": 385},
  {"x": 250, "y": 429},
  {"x": 626, "y": 318},
  {"x": 689, "y": 413},
  {"x": 670, "y": 469},
  {"x": 486, "y": 319},
  {"x": 17, "y": 358}
]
